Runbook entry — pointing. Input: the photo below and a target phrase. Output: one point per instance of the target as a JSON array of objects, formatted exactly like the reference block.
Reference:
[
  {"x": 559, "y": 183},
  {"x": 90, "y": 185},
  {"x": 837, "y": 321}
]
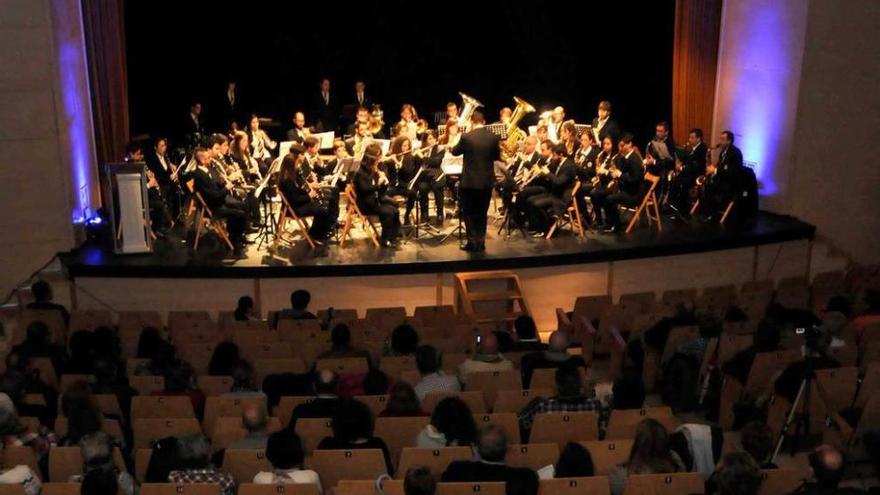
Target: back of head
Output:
[
  {"x": 404, "y": 339},
  {"x": 99, "y": 482},
  {"x": 525, "y": 327},
  {"x": 41, "y": 291},
  {"x": 96, "y": 450},
  {"x": 629, "y": 391},
  {"x": 325, "y": 382},
  {"x": 492, "y": 443},
  {"x": 376, "y": 382},
  {"x": 757, "y": 439},
  {"x": 243, "y": 376},
  {"x": 340, "y": 336},
  {"x": 284, "y": 450},
  {"x": 254, "y": 418},
  {"x": 403, "y": 401},
  {"x": 574, "y": 461},
  {"x": 738, "y": 474},
  {"x": 427, "y": 359},
  {"x": 568, "y": 381},
  {"x": 194, "y": 451},
  {"x": 488, "y": 344},
  {"x": 558, "y": 342},
  {"x": 827, "y": 465},
  {"x": 650, "y": 448},
  {"x": 419, "y": 481},
  {"x": 149, "y": 342},
  {"x": 352, "y": 421},
  {"x": 452, "y": 417},
  {"x": 225, "y": 357},
  {"x": 299, "y": 299}
]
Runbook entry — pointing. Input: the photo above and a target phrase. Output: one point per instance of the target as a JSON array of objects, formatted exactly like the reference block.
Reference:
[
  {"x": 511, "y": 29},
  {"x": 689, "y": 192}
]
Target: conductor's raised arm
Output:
[{"x": 458, "y": 149}]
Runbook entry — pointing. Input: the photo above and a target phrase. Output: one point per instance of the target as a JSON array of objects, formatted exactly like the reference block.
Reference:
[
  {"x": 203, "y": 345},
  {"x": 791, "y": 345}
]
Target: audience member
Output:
[
  {"x": 628, "y": 391},
  {"x": 326, "y": 401},
  {"x": 37, "y": 343},
  {"x": 757, "y": 439},
  {"x": 452, "y": 424},
  {"x": 569, "y": 397},
  {"x": 376, "y": 382},
  {"x": 340, "y": 339},
  {"x": 83, "y": 416},
  {"x": 402, "y": 402},
  {"x": 826, "y": 472},
  {"x": 737, "y": 474},
  {"x": 15, "y": 435},
  {"x": 299, "y": 308},
  {"x": 226, "y": 355},
  {"x": 490, "y": 465},
  {"x": 43, "y": 299},
  {"x": 650, "y": 454},
  {"x": 353, "y": 429},
  {"x": 149, "y": 342},
  {"x": 526, "y": 333},
  {"x": 244, "y": 310},
  {"x": 255, "y": 421},
  {"x": 244, "y": 381},
  {"x": 404, "y": 340},
  {"x": 195, "y": 458},
  {"x": 96, "y": 451},
  {"x": 574, "y": 462},
  {"x": 284, "y": 451},
  {"x": 554, "y": 356},
  {"x": 99, "y": 482},
  {"x": 433, "y": 380},
  {"x": 419, "y": 481},
  {"x": 487, "y": 358}
]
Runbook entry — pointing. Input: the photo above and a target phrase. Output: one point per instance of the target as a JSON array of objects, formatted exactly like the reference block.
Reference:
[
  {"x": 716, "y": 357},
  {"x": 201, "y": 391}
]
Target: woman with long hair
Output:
[
  {"x": 369, "y": 186},
  {"x": 650, "y": 454}
]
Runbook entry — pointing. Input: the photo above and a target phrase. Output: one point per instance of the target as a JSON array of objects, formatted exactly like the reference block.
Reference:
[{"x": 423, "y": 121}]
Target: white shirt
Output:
[
  {"x": 360, "y": 98},
  {"x": 288, "y": 477},
  {"x": 628, "y": 154},
  {"x": 326, "y": 97},
  {"x": 231, "y": 96},
  {"x": 601, "y": 123},
  {"x": 162, "y": 161}
]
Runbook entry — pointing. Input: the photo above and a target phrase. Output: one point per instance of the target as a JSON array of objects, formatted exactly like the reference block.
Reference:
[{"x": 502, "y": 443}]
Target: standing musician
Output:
[
  {"x": 400, "y": 168},
  {"x": 481, "y": 148},
  {"x": 325, "y": 107},
  {"x": 554, "y": 126},
  {"x": 409, "y": 121},
  {"x": 504, "y": 116},
  {"x": 660, "y": 152},
  {"x": 219, "y": 199},
  {"x": 630, "y": 177},
  {"x": 556, "y": 199},
  {"x": 518, "y": 169},
  {"x": 299, "y": 131},
  {"x": 569, "y": 138},
  {"x": 369, "y": 185},
  {"x": 603, "y": 124},
  {"x": 535, "y": 184},
  {"x": 431, "y": 180},
  {"x": 451, "y": 111},
  {"x": 261, "y": 145},
  {"x": 303, "y": 195},
  {"x": 164, "y": 173},
  {"x": 606, "y": 160},
  {"x": 692, "y": 165},
  {"x": 193, "y": 126}
]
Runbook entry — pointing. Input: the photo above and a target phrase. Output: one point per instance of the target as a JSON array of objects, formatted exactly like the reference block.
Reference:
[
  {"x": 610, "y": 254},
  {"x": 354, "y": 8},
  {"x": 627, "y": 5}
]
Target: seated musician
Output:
[
  {"x": 362, "y": 116},
  {"x": 451, "y": 111},
  {"x": 219, "y": 199},
  {"x": 261, "y": 144},
  {"x": 605, "y": 161},
  {"x": 585, "y": 167},
  {"x": 241, "y": 155},
  {"x": 369, "y": 184},
  {"x": 714, "y": 195},
  {"x": 299, "y": 131},
  {"x": 401, "y": 168},
  {"x": 537, "y": 183},
  {"x": 229, "y": 176},
  {"x": 504, "y": 116},
  {"x": 159, "y": 216},
  {"x": 332, "y": 168},
  {"x": 630, "y": 177},
  {"x": 315, "y": 169},
  {"x": 163, "y": 170},
  {"x": 692, "y": 165},
  {"x": 409, "y": 118},
  {"x": 513, "y": 176},
  {"x": 432, "y": 179},
  {"x": 569, "y": 138},
  {"x": 660, "y": 151},
  {"x": 302, "y": 195},
  {"x": 554, "y": 202},
  {"x": 355, "y": 144}
]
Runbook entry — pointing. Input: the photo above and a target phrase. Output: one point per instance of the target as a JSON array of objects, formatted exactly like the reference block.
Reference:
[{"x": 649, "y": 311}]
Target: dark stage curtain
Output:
[
  {"x": 694, "y": 65},
  {"x": 105, "y": 48}
]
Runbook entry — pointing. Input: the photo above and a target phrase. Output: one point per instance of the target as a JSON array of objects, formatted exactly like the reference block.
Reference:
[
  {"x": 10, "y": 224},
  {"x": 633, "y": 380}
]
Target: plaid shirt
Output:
[
  {"x": 578, "y": 403},
  {"x": 208, "y": 475}
]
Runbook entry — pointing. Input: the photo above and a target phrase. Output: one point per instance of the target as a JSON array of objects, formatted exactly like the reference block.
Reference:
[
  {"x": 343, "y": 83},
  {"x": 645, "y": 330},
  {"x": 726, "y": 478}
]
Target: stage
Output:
[{"x": 173, "y": 259}]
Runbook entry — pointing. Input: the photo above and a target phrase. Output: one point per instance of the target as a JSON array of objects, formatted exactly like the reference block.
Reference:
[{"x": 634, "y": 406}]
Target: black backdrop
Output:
[{"x": 561, "y": 53}]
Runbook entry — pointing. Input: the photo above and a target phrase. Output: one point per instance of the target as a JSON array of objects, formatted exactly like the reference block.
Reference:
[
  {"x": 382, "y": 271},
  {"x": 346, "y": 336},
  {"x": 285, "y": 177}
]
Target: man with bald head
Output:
[
  {"x": 487, "y": 358},
  {"x": 255, "y": 421},
  {"x": 826, "y": 465},
  {"x": 491, "y": 447},
  {"x": 325, "y": 403},
  {"x": 554, "y": 356}
]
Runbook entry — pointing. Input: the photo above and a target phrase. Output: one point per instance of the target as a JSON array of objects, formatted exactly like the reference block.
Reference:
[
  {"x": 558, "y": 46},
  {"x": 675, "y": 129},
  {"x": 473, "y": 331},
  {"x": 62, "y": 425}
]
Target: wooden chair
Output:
[
  {"x": 147, "y": 384},
  {"x": 664, "y": 484},
  {"x": 272, "y": 366},
  {"x": 60, "y": 489},
  {"x": 534, "y": 455},
  {"x": 512, "y": 401},
  {"x": 394, "y": 366},
  {"x": 214, "y": 385},
  {"x": 24, "y": 455},
  {"x": 108, "y": 425},
  {"x": 333, "y": 466},
  {"x": 274, "y": 350},
  {"x": 228, "y": 430},
  {"x": 622, "y": 423},
  {"x": 435, "y": 459},
  {"x": 343, "y": 365},
  {"x": 608, "y": 454},
  {"x": 507, "y": 421},
  {"x": 227, "y": 407},
  {"x": 491, "y": 382},
  {"x": 65, "y": 462},
  {"x": 204, "y": 216},
  {"x": 288, "y": 213},
  {"x": 595, "y": 485},
  {"x": 545, "y": 378},
  {"x": 244, "y": 464},
  {"x": 572, "y": 216},
  {"x": 399, "y": 432},
  {"x": 724, "y": 215},
  {"x": 364, "y": 487},
  {"x": 783, "y": 480},
  {"x": 161, "y": 406},
  {"x": 180, "y": 489},
  {"x": 352, "y": 212},
  {"x": 434, "y": 315},
  {"x": 385, "y": 317},
  {"x": 286, "y": 489},
  {"x": 148, "y": 430},
  {"x": 474, "y": 400},
  {"x": 469, "y": 488},
  {"x": 284, "y": 410},
  {"x": 561, "y": 428},
  {"x": 649, "y": 203},
  {"x": 90, "y": 319},
  {"x": 313, "y": 430}
]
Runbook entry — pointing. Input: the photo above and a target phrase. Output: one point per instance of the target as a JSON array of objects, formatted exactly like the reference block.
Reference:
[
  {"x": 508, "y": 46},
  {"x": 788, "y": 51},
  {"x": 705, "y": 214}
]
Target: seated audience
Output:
[
  {"x": 737, "y": 474},
  {"x": 14, "y": 434},
  {"x": 418, "y": 481},
  {"x": 195, "y": 459},
  {"x": 340, "y": 339},
  {"x": 554, "y": 356},
  {"x": 284, "y": 451},
  {"x": 353, "y": 429},
  {"x": 23, "y": 476},
  {"x": 96, "y": 451},
  {"x": 83, "y": 416},
  {"x": 570, "y": 397},
  {"x": 490, "y": 466},
  {"x": 757, "y": 440},
  {"x": 255, "y": 421},
  {"x": 402, "y": 402},
  {"x": 244, "y": 311},
  {"x": 766, "y": 339},
  {"x": 43, "y": 296},
  {"x": 428, "y": 361},
  {"x": 37, "y": 343},
  {"x": 226, "y": 355},
  {"x": 376, "y": 382},
  {"x": 574, "y": 462},
  {"x": 149, "y": 342},
  {"x": 628, "y": 391},
  {"x": 404, "y": 340},
  {"x": 181, "y": 382},
  {"x": 826, "y": 472},
  {"x": 526, "y": 333},
  {"x": 99, "y": 482},
  {"x": 452, "y": 425},
  {"x": 326, "y": 401},
  {"x": 299, "y": 308},
  {"x": 244, "y": 381},
  {"x": 487, "y": 358},
  {"x": 650, "y": 454}
]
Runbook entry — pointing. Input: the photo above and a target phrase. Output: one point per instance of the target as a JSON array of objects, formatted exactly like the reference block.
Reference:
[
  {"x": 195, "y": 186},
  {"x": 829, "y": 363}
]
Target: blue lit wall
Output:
[{"x": 760, "y": 58}]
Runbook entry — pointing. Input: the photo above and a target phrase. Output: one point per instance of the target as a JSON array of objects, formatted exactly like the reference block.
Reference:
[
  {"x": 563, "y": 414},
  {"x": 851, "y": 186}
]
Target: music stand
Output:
[{"x": 452, "y": 168}]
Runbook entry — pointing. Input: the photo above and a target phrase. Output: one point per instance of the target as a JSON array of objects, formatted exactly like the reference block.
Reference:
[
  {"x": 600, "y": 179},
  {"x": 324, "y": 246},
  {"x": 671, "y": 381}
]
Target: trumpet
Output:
[{"x": 535, "y": 172}]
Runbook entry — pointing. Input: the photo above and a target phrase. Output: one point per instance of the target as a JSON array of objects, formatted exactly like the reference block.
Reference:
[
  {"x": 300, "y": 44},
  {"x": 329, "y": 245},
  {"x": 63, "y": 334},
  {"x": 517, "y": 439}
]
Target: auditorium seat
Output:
[
  {"x": 161, "y": 406},
  {"x": 394, "y": 366},
  {"x": 491, "y": 382},
  {"x": 469, "y": 488},
  {"x": 513, "y": 401},
  {"x": 89, "y": 319},
  {"x": 637, "y": 302},
  {"x": 365, "y": 487},
  {"x": 435, "y": 459},
  {"x": 595, "y": 485},
  {"x": 147, "y": 384},
  {"x": 284, "y": 410},
  {"x": 228, "y": 430},
  {"x": 149, "y": 430},
  {"x": 296, "y": 331},
  {"x": 244, "y": 464},
  {"x": 343, "y": 365},
  {"x": 281, "y": 489},
  {"x": 214, "y": 385},
  {"x": 474, "y": 400},
  {"x": 65, "y": 462},
  {"x": 266, "y": 350},
  {"x": 533, "y": 455},
  {"x": 775, "y": 481},
  {"x": 435, "y": 316},
  {"x": 270, "y": 366},
  {"x": 765, "y": 366},
  {"x": 561, "y": 428},
  {"x": 53, "y": 319},
  {"x": 14, "y": 455},
  {"x": 180, "y": 489},
  {"x": 664, "y": 484},
  {"x": 58, "y": 489},
  {"x": 399, "y": 433},
  {"x": 608, "y": 454},
  {"x": 141, "y": 462},
  {"x": 545, "y": 378},
  {"x": 622, "y": 423},
  {"x": 376, "y": 403},
  {"x": 335, "y": 465},
  {"x": 226, "y": 407},
  {"x": 109, "y": 426},
  {"x": 507, "y": 421},
  {"x": 312, "y": 430}
]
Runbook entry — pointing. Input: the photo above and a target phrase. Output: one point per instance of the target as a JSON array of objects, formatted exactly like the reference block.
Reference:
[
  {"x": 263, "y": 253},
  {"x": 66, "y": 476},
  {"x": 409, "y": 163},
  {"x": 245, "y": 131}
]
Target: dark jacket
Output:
[
  {"x": 520, "y": 481},
  {"x": 632, "y": 174},
  {"x": 480, "y": 149}
]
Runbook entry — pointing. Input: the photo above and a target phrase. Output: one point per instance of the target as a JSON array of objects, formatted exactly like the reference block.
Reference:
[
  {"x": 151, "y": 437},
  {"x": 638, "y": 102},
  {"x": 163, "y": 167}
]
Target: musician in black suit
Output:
[
  {"x": 660, "y": 151},
  {"x": 730, "y": 160},
  {"x": 692, "y": 164},
  {"x": 536, "y": 183},
  {"x": 361, "y": 99},
  {"x": 326, "y": 108},
  {"x": 480, "y": 149},
  {"x": 218, "y": 200},
  {"x": 603, "y": 125},
  {"x": 299, "y": 131},
  {"x": 164, "y": 172},
  {"x": 193, "y": 127},
  {"x": 630, "y": 176},
  {"x": 523, "y": 161},
  {"x": 369, "y": 186},
  {"x": 723, "y": 181},
  {"x": 599, "y": 185},
  {"x": 361, "y": 117},
  {"x": 401, "y": 168},
  {"x": 229, "y": 107},
  {"x": 303, "y": 197},
  {"x": 432, "y": 180},
  {"x": 554, "y": 202}
]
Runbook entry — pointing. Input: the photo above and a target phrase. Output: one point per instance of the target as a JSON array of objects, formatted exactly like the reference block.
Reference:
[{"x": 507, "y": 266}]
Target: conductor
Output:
[{"x": 481, "y": 149}]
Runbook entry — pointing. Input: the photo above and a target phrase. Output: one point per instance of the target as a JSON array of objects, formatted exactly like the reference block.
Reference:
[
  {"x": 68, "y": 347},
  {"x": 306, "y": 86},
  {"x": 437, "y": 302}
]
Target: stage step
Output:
[{"x": 491, "y": 297}]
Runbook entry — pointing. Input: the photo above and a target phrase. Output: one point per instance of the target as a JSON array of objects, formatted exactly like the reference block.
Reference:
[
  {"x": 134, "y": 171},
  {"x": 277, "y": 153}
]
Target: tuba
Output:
[
  {"x": 471, "y": 104},
  {"x": 514, "y": 134}
]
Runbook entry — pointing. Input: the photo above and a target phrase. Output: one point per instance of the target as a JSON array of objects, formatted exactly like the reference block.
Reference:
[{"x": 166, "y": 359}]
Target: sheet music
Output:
[
  {"x": 284, "y": 147},
  {"x": 325, "y": 139}
]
